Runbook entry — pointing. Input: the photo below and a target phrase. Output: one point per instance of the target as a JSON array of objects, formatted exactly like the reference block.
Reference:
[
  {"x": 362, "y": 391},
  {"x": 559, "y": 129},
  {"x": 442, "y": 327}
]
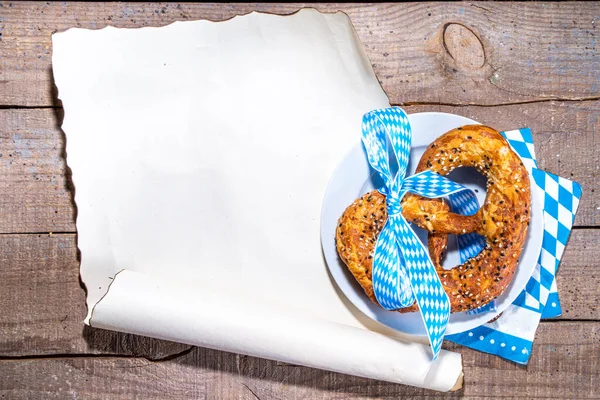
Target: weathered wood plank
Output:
[
  {"x": 42, "y": 304},
  {"x": 36, "y": 184},
  {"x": 34, "y": 181},
  {"x": 565, "y": 364},
  {"x": 466, "y": 53},
  {"x": 482, "y": 53}
]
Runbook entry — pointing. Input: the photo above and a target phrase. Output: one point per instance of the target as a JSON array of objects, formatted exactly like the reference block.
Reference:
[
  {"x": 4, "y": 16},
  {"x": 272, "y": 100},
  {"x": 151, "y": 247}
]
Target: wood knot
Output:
[{"x": 463, "y": 46}]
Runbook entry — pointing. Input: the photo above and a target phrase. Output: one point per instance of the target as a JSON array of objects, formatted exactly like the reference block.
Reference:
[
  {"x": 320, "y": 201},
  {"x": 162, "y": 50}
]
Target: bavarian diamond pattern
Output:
[
  {"x": 427, "y": 288},
  {"x": 521, "y": 141},
  {"x": 511, "y": 336},
  {"x": 561, "y": 199},
  {"x": 469, "y": 244},
  {"x": 464, "y": 203},
  {"x": 402, "y": 269},
  {"x": 429, "y": 184},
  {"x": 392, "y": 287}
]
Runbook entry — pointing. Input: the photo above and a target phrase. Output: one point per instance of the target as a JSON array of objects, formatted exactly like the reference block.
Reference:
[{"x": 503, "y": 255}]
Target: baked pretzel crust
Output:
[{"x": 502, "y": 220}]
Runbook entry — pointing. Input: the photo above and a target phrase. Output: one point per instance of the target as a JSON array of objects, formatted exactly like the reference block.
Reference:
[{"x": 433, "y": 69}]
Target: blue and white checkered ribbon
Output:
[
  {"x": 402, "y": 269},
  {"x": 469, "y": 244}
]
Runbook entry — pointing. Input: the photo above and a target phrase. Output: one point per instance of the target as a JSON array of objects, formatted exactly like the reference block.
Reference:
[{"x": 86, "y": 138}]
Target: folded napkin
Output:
[{"x": 511, "y": 335}]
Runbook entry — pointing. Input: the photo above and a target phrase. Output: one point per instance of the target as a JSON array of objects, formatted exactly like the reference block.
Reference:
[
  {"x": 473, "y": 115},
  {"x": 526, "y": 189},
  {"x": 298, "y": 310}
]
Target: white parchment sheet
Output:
[{"x": 200, "y": 154}]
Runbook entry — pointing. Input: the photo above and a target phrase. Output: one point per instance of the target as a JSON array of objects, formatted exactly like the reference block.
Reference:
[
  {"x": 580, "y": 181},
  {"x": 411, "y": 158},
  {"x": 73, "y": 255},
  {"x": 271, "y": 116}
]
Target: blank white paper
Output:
[{"x": 200, "y": 153}]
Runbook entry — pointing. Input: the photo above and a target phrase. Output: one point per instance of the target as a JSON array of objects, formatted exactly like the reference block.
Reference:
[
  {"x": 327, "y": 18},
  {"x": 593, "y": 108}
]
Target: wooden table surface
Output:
[{"x": 506, "y": 65}]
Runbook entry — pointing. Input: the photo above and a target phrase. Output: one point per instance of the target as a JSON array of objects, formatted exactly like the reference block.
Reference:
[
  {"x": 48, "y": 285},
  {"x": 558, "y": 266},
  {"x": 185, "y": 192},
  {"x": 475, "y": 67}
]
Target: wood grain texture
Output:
[
  {"x": 37, "y": 190},
  {"x": 538, "y": 61},
  {"x": 34, "y": 180},
  {"x": 466, "y": 53},
  {"x": 42, "y": 303},
  {"x": 565, "y": 364}
]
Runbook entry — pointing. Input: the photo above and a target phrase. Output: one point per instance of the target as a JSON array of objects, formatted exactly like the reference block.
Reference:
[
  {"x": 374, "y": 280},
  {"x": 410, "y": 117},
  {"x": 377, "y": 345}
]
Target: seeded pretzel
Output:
[{"x": 502, "y": 220}]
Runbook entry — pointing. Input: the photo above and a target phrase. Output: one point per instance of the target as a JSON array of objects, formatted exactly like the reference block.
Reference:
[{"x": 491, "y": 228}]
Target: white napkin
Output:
[{"x": 200, "y": 154}]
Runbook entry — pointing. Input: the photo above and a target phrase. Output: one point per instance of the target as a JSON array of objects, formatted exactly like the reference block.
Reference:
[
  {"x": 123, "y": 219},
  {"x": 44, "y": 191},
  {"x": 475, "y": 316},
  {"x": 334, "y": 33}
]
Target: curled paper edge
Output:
[
  {"x": 459, "y": 382},
  {"x": 140, "y": 304},
  {"x": 130, "y": 303}
]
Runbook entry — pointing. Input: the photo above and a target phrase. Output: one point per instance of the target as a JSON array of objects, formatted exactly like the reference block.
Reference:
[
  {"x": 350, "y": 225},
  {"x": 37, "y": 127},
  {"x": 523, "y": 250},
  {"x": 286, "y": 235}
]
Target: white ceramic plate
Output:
[{"x": 353, "y": 177}]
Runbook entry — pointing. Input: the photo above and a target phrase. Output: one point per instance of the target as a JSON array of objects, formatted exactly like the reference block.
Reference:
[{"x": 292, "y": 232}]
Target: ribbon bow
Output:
[{"x": 402, "y": 269}]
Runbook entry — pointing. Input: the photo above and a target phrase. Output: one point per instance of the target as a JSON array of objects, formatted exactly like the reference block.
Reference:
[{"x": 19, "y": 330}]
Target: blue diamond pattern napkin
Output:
[{"x": 511, "y": 335}]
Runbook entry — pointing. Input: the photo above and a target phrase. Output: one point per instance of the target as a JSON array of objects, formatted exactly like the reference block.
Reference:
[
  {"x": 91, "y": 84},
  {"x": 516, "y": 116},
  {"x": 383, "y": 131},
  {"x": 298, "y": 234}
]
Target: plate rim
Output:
[{"x": 483, "y": 317}]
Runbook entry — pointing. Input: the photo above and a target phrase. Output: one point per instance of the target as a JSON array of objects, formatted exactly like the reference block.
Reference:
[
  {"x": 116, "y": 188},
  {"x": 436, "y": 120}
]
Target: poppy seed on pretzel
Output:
[{"x": 502, "y": 220}]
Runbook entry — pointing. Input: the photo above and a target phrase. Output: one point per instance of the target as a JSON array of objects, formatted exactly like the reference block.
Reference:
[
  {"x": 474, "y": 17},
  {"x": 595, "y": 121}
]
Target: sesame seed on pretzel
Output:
[{"x": 502, "y": 220}]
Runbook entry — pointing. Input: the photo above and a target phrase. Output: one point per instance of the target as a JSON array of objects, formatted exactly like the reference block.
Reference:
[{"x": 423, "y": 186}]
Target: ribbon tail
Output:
[
  {"x": 390, "y": 282},
  {"x": 470, "y": 244},
  {"x": 427, "y": 288}
]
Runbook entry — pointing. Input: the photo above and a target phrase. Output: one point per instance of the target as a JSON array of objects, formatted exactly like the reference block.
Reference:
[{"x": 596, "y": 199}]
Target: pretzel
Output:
[{"x": 502, "y": 220}]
